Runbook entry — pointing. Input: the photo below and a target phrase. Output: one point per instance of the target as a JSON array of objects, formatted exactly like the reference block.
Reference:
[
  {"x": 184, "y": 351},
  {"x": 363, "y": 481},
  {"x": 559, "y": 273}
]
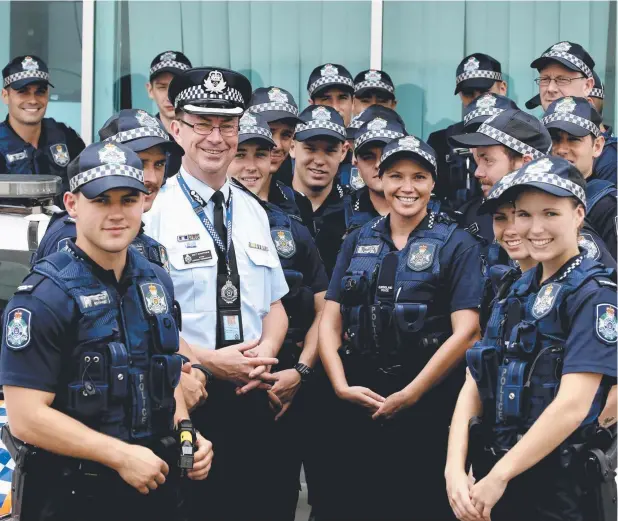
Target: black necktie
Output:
[{"x": 218, "y": 199}]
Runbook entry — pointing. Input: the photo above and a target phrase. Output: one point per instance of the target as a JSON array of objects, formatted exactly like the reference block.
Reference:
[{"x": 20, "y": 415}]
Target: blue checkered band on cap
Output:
[
  {"x": 197, "y": 93},
  {"x": 136, "y": 133},
  {"x": 373, "y": 84},
  {"x": 551, "y": 179},
  {"x": 274, "y": 106},
  {"x": 489, "y": 111},
  {"x": 105, "y": 171},
  {"x": 489, "y": 75},
  {"x": 570, "y": 58},
  {"x": 169, "y": 63},
  {"x": 504, "y": 183},
  {"x": 25, "y": 75},
  {"x": 510, "y": 141},
  {"x": 576, "y": 120},
  {"x": 390, "y": 134},
  {"x": 356, "y": 123},
  {"x": 597, "y": 93},
  {"x": 415, "y": 150},
  {"x": 327, "y": 80},
  {"x": 254, "y": 129},
  {"x": 328, "y": 125}
]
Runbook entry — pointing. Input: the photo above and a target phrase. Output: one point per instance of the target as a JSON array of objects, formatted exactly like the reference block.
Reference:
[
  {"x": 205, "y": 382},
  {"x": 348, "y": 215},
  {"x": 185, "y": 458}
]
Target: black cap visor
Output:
[
  {"x": 341, "y": 86},
  {"x": 568, "y": 127},
  {"x": 377, "y": 90},
  {"x": 406, "y": 154},
  {"x": 473, "y": 140},
  {"x": 489, "y": 206},
  {"x": 101, "y": 185},
  {"x": 213, "y": 108},
  {"x": 243, "y": 138},
  {"x": 144, "y": 143},
  {"x": 534, "y": 102},
  {"x": 482, "y": 84},
  {"x": 278, "y": 115},
  {"x": 20, "y": 84},
  {"x": 172, "y": 70},
  {"x": 540, "y": 63},
  {"x": 376, "y": 141},
  {"x": 317, "y": 133}
]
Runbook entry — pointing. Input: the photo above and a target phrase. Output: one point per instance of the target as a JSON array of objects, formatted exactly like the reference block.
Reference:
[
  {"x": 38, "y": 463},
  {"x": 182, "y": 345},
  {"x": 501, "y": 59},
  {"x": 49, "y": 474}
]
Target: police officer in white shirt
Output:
[{"x": 229, "y": 283}]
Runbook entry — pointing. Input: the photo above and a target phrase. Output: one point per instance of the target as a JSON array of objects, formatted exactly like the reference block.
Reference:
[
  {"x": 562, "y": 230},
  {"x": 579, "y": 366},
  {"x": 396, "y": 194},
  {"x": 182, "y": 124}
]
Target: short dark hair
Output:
[{"x": 513, "y": 155}]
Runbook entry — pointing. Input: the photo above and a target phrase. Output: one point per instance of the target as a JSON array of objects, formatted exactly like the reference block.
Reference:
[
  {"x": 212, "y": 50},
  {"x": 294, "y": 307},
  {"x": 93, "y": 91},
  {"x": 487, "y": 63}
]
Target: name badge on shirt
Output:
[
  {"x": 11, "y": 158},
  {"x": 367, "y": 249},
  {"x": 256, "y": 246},
  {"x": 98, "y": 299},
  {"x": 197, "y": 256},
  {"x": 191, "y": 237}
]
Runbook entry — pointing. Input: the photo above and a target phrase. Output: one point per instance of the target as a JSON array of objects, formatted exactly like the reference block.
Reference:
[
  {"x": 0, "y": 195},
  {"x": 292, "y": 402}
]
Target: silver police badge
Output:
[
  {"x": 356, "y": 180},
  {"x": 561, "y": 47},
  {"x": 545, "y": 300},
  {"x": 229, "y": 293},
  {"x": 18, "y": 329},
  {"x": 472, "y": 64},
  {"x": 329, "y": 70},
  {"x": 168, "y": 56},
  {"x": 110, "y": 153},
  {"x": 284, "y": 242},
  {"x": 586, "y": 242},
  {"x": 320, "y": 114},
  {"x": 377, "y": 124},
  {"x": 154, "y": 298},
  {"x": 409, "y": 142},
  {"x": 373, "y": 76},
  {"x": 215, "y": 82},
  {"x": 60, "y": 153},
  {"x": 606, "y": 323},
  {"x": 248, "y": 120},
  {"x": 421, "y": 256},
  {"x": 542, "y": 166},
  {"x": 485, "y": 102},
  {"x": 565, "y": 105},
  {"x": 145, "y": 119},
  {"x": 275, "y": 95},
  {"x": 29, "y": 64}
]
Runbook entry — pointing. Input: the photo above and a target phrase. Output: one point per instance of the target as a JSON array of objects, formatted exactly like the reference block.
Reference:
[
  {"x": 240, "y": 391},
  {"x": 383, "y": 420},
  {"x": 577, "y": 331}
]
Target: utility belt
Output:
[{"x": 109, "y": 379}]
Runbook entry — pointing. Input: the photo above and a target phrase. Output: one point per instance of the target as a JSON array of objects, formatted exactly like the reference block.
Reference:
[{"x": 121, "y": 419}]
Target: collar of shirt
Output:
[
  {"x": 537, "y": 284},
  {"x": 364, "y": 201},
  {"x": 203, "y": 190},
  {"x": 275, "y": 194},
  {"x": 383, "y": 228},
  {"x": 108, "y": 277},
  {"x": 334, "y": 197},
  {"x": 42, "y": 137}
]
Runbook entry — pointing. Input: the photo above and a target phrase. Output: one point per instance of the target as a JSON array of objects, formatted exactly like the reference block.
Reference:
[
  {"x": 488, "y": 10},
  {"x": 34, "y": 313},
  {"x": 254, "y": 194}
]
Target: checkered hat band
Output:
[
  {"x": 415, "y": 150},
  {"x": 327, "y": 80},
  {"x": 252, "y": 129},
  {"x": 327, "y": 125},
  {"x": 552, "y": 179},
  {"x": 504, "y": 186},
  {"x": 356, "y": 123},
  {"x": 597, "y": 93},
  {"x": 489, "y": 111},
  {"x": 373, "y": 84},
  {"x": 570, "y": 58},
  {"x": 282, "y": 107},
  {"x": 509, "y": 141},
  {"x": 197, "y": 93},
  {"x": 136, "y": 133},
  {"x": 105, "y": 171},
  {"x": 169, "y": 63},
  {"x": 24, "y": 75},
  {"x": 390, "y": 134},
  {"x": 576, "y": 120},
  {"x": 488, "y": 75}
]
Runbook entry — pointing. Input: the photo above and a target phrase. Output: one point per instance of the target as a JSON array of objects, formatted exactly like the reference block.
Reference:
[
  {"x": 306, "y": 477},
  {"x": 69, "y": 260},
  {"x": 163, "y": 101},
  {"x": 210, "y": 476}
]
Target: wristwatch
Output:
[
  {"x": 209, "y": 376},
  {"x": 305, "y": 371}
]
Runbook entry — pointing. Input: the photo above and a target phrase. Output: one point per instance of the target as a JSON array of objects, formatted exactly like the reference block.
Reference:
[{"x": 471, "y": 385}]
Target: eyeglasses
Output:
[
  {"x": 561, "y": 81},
  {"x": 205, "y": 129}
]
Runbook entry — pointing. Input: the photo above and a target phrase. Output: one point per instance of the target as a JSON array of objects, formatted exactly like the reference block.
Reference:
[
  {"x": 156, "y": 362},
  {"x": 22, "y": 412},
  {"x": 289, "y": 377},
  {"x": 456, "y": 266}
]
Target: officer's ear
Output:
[
  {"x": 175, "y": 131},
  {"x": 293, "y": 149},
  {"x": 311, "y": 102},
  {"x": 70, "y": 203},
  {"x": 526, "y": 158},
  {"x": 597, "y": 145},
  {"x": 503, "y": 88},
  {"x": 344, "y": 150},
  {"x": 588, "y": 86},
  {"x": 149, "y": 90},
  {"x": 5, "y": 96}
]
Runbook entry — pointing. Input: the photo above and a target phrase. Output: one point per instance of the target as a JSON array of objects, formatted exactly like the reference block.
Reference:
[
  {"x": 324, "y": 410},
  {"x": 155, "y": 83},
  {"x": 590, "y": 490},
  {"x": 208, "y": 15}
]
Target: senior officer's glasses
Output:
[
  {"x": 561, "y": 81},
  {"x": 205, "y": 128}
]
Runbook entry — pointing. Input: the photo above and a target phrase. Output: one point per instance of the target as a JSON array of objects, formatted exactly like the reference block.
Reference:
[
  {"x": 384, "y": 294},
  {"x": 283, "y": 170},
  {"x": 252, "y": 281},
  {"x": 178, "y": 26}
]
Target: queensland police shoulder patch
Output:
[
  {"x": 60, "y": 153},
  {"x": 607, "y": 323},
  {"x": 63, "y": 244},
  {"x": 284, "y": 242},
  {"x": 356, "y": 181},
  {"x": 18, "y": 328},
  {"x": 421, "y": 256},
  {"x": 587, "y": 242},
  {"x": 545, "y": 300},
  {"x": 154, "y": 298}
]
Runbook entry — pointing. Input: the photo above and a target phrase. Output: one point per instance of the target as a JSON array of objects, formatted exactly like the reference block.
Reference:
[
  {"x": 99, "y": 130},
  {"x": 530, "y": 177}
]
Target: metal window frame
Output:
[
  {"x": 375, "y": 59},
  {"x": 87, "y": 111}
]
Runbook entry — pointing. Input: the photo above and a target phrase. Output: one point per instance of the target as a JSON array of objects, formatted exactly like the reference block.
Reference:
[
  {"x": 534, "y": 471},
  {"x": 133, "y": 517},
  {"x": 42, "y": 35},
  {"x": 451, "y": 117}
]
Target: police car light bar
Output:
[{"x": 23, "y": 186}]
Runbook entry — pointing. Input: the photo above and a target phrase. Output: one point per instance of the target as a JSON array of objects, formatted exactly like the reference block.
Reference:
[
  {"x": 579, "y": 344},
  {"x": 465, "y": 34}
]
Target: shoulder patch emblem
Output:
[
  {"x": 356, "y": 180},
  {"x": 421, "y": 256},
  {"x": 63, "y": 244},
  {"x": 154, "y": 298},
  {"x": 545, "y": 300},
  {"x": 587, "y": 242},
  {"x": 284, "y": 242},
  {"x": 60, "y": 154},
  {"x": 606, "y": 323},
  {"x": 18, "y": 329}
]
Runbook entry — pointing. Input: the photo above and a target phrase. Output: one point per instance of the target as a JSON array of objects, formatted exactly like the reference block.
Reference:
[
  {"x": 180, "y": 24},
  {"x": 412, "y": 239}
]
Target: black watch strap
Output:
[
  {"x": 209, "y": 376},
  {"x": 304, "y": 370}
]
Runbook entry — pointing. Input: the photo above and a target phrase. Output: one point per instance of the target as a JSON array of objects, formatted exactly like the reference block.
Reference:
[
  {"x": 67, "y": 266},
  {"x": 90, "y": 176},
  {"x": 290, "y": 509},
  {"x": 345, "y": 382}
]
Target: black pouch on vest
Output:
[
  {"x": 140, "y": 405},
  {"x": 354, "y": 289},
  {"x": 87, "y": 399},
  {"x": 118, "y": 370},
  {"x": 164, "y": 377},
  {"x": 410, "y": 318},
  {"x": 165, "y": 333},
  {"x": 510, "y": 390},
  {"x": 483, "y": 363}
]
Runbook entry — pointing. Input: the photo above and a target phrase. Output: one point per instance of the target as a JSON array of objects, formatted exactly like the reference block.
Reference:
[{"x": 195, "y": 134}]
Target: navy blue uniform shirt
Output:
[
  {"x": 605, "y": 166},
  {"x": 460, "y": 263},
  {"x": 330, "y": 226},
  {"x": 41, "y": 363},
  {"x": 602, "y": 218},
  {"x": 299, "y": 206}
]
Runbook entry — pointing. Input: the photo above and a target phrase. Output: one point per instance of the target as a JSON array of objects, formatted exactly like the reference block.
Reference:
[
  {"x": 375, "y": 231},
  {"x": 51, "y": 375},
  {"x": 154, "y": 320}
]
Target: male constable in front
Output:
[
  {"x": 29, "y": 142},
  {"x": 229, "y": 280},
  {"x": 89, "y": 364}
]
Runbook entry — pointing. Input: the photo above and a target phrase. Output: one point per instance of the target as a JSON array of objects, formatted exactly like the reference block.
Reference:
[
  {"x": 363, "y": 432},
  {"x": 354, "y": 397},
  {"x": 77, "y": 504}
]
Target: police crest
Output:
[
  {"x": 561, "y": 47},
  {"x": 275, "y": 95},
  {"x": 421, "y": 256},
  {"x": 565, "y": 106},
  {"x": 543, "y": 166},
  {"x": 60, "y": 154},
  {"x": 284, "y": 242},
  {"x": 329, "y": 70},
  {"x": 29, "y": 64},
  {"x": 545, "y": 300},
  {"x": 485, "y": 102},
  {"x": 472, "y": 64},
  {"x": 409, "y": 142},
  {"x": 110, "y": 153},
  {"x": 356, "y": 180},
  {"x": 154, "y": 298},
  {"x": 320, "y": 114},
  {"x": 145, "y": 119},
  {"x": 18, "y": 329},
  {"x": 248, "y": 120},
  {"x": 215, "y": 82},
  {"x": 373, "y": 76},
  {"x": 168, "y": 56},
  {"x": 377, "y": 124},
  {"x": 586, "y": 242},
  {"x": 606, "y": 323},
  {"x": 229, "y": 293}
]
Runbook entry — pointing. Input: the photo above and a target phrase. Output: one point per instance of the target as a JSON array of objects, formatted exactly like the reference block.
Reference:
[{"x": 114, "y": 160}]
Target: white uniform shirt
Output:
[{"x": 193, "y": 258}]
